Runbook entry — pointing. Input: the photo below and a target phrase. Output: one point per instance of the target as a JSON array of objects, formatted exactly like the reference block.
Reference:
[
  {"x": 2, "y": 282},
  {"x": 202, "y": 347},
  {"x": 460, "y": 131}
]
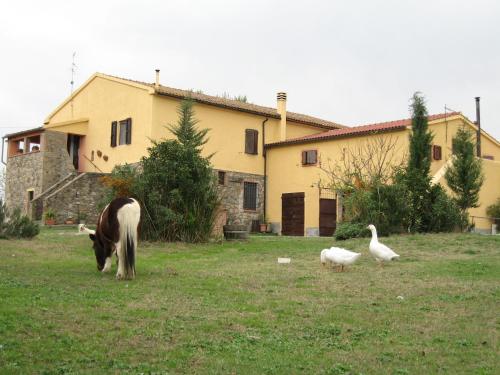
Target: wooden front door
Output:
[
  {"x": 292, "y": 214},
  {"x": 327, "y": 216}
]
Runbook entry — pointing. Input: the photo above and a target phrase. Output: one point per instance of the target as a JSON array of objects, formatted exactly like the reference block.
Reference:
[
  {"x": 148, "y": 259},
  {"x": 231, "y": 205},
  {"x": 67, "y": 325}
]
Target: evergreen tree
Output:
[
  {"x": 185, "y": 130},
  {"x": 417, "y": 172},
  {"x": 465, "y": 177}
]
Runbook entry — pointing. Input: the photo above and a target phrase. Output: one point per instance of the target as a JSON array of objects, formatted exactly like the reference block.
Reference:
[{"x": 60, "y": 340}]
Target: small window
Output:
[
  {"x": 31, "y": 195},
  {"x": 250, "y": 196},
  {"x": 251, "y": 141},
  {"x": 309, "y": 157},
  {"x": 221, "y": 175},
  {"x": 123, "y": 132},
  {"x": 436, "y": 152},
  {"x": 489, "y": 157}
]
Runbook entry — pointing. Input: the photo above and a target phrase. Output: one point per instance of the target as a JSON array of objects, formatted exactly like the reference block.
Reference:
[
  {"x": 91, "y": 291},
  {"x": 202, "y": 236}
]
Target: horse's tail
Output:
[{"x": 128, "y": 219}]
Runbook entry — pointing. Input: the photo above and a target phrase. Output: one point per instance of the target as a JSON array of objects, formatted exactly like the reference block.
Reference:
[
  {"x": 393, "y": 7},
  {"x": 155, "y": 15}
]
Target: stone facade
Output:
[
  {"x": 231, "y": 194},
  {"x": 36, "y": 171},
  {"x": 78, "y": 198}
]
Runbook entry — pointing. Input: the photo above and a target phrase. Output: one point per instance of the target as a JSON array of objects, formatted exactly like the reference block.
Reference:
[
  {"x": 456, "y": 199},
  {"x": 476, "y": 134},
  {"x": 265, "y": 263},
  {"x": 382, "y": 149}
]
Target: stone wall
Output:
[
  {"x": 79, "y": 197},
  {"x": 23, "y": 172},
  {"x": 36, "y": 170},
  {"x": 231, "y": 194},
  {"x": 56, "y": 162}
]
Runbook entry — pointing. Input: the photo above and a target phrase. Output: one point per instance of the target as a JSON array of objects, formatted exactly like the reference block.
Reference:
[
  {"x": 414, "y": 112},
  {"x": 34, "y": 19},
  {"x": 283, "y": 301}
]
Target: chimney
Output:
[
  {"x": 281, "y": 108},
  {"x": 478, "y": 123},
  {"x": 157, "y": 82}
]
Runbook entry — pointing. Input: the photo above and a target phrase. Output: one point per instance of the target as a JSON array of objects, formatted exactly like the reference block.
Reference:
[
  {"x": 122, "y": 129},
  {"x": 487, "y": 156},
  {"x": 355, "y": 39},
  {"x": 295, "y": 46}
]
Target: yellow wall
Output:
[
  {"x": 102, "y": 101},
  {"x": 490, "y": 192},
  {"x": 286, "y": 174},
  {"x": 226, "y": 135}
]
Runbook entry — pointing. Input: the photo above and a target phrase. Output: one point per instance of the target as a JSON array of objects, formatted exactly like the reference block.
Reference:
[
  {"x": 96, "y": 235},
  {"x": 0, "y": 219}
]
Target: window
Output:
[
  {"x": 309, "y": 157},
  {"x": 31, "y": 195},
  {"x": 221, "y": 176},
  {"x": 436, "y": 152},
  {"x": 125, "y": 132},
  {"x": 489, "y": 157},
  {"x": 250, "y": 196},
  {"x": 251, "y": 141}
]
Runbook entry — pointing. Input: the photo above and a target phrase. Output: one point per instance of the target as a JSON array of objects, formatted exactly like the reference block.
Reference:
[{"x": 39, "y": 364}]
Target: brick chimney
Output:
[
  {"x": 157, "y": 82},
  {"x": 281, "y": 109}
]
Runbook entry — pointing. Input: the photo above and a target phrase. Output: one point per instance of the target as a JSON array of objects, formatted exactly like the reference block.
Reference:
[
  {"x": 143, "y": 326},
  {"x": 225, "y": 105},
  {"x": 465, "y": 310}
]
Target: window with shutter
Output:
[
  {"x": 309, "y": 157},
  {"x": 436, "y": 152},
  {"x": 251, "y": 141},
  {"x": 249, "y": 195},
  {"x": 113, "y": 134}
]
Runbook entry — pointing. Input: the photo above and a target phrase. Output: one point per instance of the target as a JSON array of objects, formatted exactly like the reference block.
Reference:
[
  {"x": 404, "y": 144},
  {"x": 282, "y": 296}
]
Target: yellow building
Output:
[
  {"x": 298, "y": 200},
  {"x": 267, "y": 159}
]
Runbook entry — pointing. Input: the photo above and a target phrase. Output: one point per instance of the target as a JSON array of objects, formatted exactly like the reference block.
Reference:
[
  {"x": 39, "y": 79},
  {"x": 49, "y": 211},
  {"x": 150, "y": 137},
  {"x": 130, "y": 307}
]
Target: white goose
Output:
[
  {"x": 338, "y": 256},
  {"x": 380, "y": 252}
]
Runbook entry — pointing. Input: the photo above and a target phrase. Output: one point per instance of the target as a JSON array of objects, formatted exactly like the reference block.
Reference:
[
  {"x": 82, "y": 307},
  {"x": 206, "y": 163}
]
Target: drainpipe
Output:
[
  {"x": 265, "y": 164},
  {"x": 3, "y": 143},
  {"x": 478, "y": 123}
]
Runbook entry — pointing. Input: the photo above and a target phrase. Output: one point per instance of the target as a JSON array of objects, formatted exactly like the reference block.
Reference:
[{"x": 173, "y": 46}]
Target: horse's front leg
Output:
[{"x": 120, "y": 274}]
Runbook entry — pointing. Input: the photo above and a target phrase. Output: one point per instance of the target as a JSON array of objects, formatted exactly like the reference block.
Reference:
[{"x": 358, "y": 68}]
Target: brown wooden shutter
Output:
[
  {"x": 255, "y": 141},
  {"x": 251, "y": 141},
  {"x": 436, "y": 152},
  {"x": 314, "y": 156},
  {"x": 113, "y": 133},
  {"x": 304, "y": 157},
  {"x": 128, "y": 135}
]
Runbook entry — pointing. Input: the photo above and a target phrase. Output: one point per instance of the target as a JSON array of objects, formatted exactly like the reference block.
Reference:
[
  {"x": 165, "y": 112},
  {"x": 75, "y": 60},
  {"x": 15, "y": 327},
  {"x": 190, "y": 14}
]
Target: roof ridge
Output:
[
  {"x": 360, "y": 129},
  {"x": 234, "y": 104}
]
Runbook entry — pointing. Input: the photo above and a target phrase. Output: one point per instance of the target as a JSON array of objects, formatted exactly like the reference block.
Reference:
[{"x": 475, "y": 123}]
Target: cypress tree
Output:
[
  {"x": 417, "y": 171},
  {"x": 465, "y": 176}
]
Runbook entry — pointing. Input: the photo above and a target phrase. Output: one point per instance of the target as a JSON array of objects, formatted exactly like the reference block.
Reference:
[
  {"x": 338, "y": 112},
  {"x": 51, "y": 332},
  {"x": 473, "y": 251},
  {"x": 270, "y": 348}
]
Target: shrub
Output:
[
  {"x": 17, "y": 225},
  {"x": 348, "y": 230},
  {"x": 494, "y": 211},
  {"x": 385, "y": 206},
  {"x": 444, "y": 213}
]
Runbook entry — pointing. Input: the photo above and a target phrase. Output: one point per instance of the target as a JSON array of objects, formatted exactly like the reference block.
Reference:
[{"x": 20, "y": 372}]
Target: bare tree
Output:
[{"x": 371, "y": 162}]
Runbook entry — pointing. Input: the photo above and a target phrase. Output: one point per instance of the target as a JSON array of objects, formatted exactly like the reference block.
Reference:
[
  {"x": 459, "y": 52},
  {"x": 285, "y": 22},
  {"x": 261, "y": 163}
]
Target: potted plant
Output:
[
  {"x": 50, "y": 217},
  {"x": 263, "y": 225},
  {"x": 69, "y": 221}
]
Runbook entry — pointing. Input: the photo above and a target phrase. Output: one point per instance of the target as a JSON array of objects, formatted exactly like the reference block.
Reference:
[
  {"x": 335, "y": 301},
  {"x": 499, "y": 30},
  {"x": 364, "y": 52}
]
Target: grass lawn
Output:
[{"x": 230, "y": 308}]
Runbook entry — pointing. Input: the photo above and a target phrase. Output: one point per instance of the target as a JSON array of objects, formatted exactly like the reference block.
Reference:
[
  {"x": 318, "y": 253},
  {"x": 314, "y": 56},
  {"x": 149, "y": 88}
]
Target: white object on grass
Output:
[
  {"x": 380, "y": 252},
  {"x": 82, "y": 229},
  {"x": 284, "y": 260},
  {"x": 338, "y": 256}
]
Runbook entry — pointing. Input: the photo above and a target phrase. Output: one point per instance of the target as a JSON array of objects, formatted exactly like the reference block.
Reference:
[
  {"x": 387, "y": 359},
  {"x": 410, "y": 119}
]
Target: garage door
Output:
[{"x": 292, "y": 214}]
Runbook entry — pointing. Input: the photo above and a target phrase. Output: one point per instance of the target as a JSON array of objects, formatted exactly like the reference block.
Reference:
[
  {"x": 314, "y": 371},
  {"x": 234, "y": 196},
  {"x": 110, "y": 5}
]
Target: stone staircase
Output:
[{"x": 75, "y": 196}]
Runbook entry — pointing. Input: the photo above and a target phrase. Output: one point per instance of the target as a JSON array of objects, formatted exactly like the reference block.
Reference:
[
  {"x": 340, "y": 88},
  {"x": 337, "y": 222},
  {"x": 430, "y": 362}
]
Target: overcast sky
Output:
[{"x": 353, "y": 62}]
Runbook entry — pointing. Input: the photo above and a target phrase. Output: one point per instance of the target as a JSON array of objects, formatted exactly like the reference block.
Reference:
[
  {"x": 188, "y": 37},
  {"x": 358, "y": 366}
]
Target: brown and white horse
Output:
[{"x": 116, "y": 233}]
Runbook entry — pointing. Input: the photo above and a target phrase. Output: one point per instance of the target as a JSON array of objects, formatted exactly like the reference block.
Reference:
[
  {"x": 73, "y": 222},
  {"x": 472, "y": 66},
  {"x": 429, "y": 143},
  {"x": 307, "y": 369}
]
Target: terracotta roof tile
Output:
[
  {"x": 237, "y": 105},
  {"x": 359, "y": 130}
]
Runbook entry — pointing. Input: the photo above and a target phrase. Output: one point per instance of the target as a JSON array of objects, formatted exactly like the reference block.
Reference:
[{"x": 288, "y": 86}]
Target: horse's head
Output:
[{"x": 99, "y": 250}]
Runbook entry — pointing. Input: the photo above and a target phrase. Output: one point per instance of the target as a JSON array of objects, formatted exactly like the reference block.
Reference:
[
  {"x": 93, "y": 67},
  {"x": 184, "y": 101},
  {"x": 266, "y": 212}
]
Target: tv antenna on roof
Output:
[{"x": 73, "y": 71}]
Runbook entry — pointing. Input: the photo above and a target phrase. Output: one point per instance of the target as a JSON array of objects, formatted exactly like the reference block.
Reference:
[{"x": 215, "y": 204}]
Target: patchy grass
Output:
[{"x": 230, "y": 308}]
